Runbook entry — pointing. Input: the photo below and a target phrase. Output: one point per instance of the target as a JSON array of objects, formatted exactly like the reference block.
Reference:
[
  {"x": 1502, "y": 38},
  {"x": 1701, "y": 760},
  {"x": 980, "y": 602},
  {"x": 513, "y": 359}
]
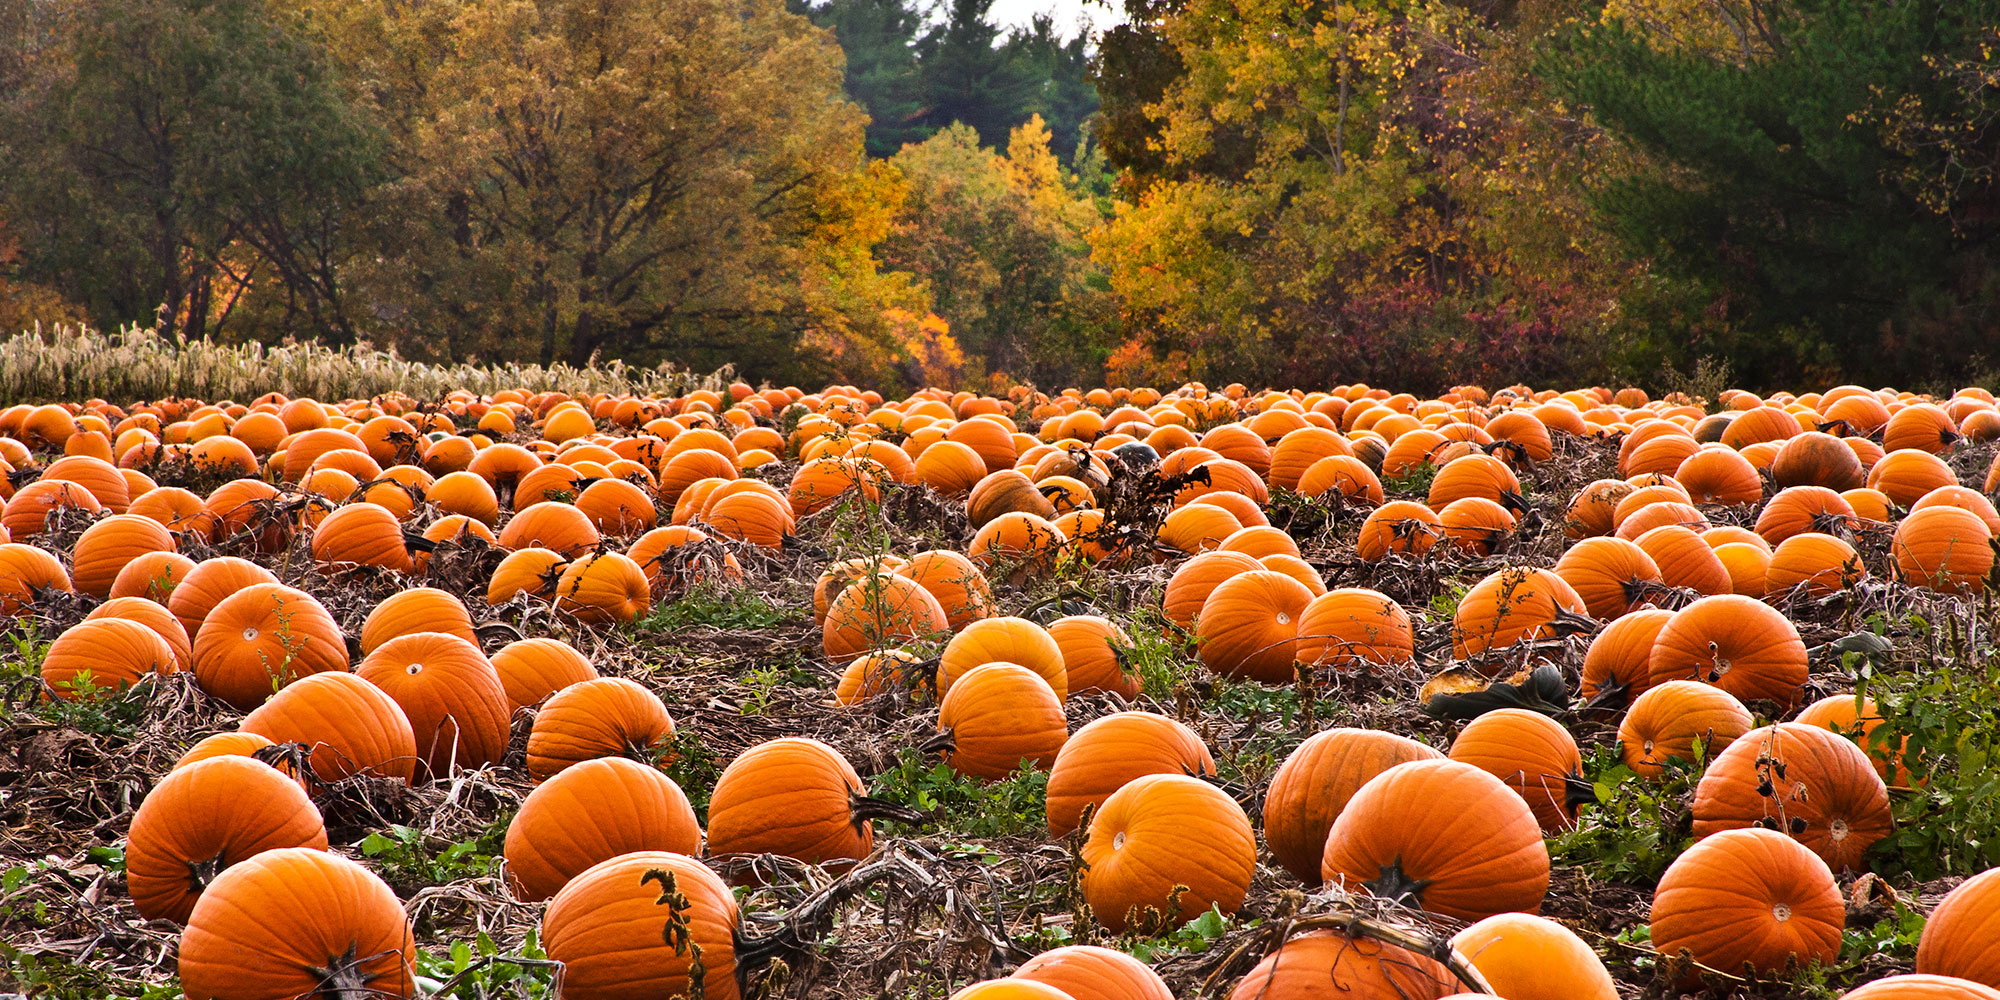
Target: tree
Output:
[
  {"x": 879, "y": 37},
  {"x": 1823, "y": 170},
  {"x": 164, "y": 157},
  {"x": 1067, "y": 100},
  {"x": 971, "y": 76}
]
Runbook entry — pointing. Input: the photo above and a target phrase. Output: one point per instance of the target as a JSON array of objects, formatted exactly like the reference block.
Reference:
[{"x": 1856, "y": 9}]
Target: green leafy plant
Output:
[
  {"x": 963, "y": 805},
  {"x": 719, "y": 607},
  {"x": 1948, "y": 822},
  {"x": 1638, "y": 826},
  {"x": 481, "y": 970},
  {"x": 407, "y": 856}
]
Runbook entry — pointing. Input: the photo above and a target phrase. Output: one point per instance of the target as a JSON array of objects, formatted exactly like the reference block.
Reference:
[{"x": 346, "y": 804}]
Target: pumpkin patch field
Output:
[{"x": 1081, "y": 695}]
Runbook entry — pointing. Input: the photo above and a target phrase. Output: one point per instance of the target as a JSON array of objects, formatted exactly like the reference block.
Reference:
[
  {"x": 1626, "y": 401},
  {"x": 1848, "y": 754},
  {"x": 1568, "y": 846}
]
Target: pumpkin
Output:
[
  {"x": 176, "y": 509},
  {"x": 1719, "y": 475},
  {"x": 1800, "y": 509},
  {"x": 878, "y": 611},
  {"x": 1666, "y": 513},
  {"x": 1958, "y": 937},
  {"x": 1091, "y": 653},
  {"x": 261, "y": 638},
  {"x": 998, "y": 717},
  {"x": 1905, "y": 476},
  {"x": 1748, "y": 897},
  {"x": 154, "y": 617},
  {"x": 603, "y": 717},
  {"x": 1590, "y": 511},
  {"x": 1163, "y": 849},
  {"x": 1006, "y": 492},
  {"x": 960, "y": 588},
  {"x": 1197, "y": 527},
  {"x": 1352, "y": 628},
  {"x": 95, "y": 658},
  {"x": 1803, "y": 781},
  {"x": 1854, "y": 717},
  {"x": 1476, "y": 476},
  {"x": 534, "y": 572},
  {"x": 1323, "y": 964},
  {"x": 152, "y": 576},
  {"x": 223, "y": 745},
  {"x": 249, "y": 509},
  {"x": 1535, "y": 756},
  {"x": 1004, "y": 640},
  {"x": 1665, "y": 720},
  {"x": 1526, "y": 957},
  {"x": 1738, "y": 644},
  {"x": 619, "y": 509},
  {"x": 1821, "y": 564},
  {"x": 208, "y": 583},
  {"x": 26, "y": 570},
  {"x": 1617, "y": 666},
  {"x": 950, "y": 468},
  {"x": 1249, "y": 626},
  {"x": 1401, "y": 527},
  {"x": 1083, "y": 970},
  {"x": 1921, "y": 986},
  {"x": 1962, "y": 497},
  {"x": 1190, "y": 586},
  {"x": 451, "y": 695},
  {"x": 532, "y": 669},
  {"x": 1345, "y": 476},
  {"x": 1685, "y": 560},
  {"x": 1516, "y": 604},
  {"x": 293, "y": 922},
  {"x": 603, "y": 588},
  {"x": 204, "y": 817},
  {"x": 1010, "y": 989},
  {"x": 1298, "y": 450},
  {"x": 1923, "y": 426},
  {"x": 1019, "y": 545},
  {"x": 872, "y": 675},
  {"x": 362, "y": 534},
  {"x": 550, "y": 525},
  {"x": 606, "y": 927},
  {"x": 1315, "y": 783},
  {"x": 27, "y": 512},
  {"x": 1391, "y": 840},
  {"x": 104, "y": 549},
  {"x": 102, "y": 479},
  {"x": 1110, "y": 751},
  {"x": 1611, "y": 575},
  {"x": 750, "y": 516},
  {"x": 593, "y": 812},
  {"x": 351, "y": 726},
  {"x": 793, "y": 797},
  {"x": 420, "y": 609},
  {"x": 1817, "y": 459},
  {"x": 468, "y": 495},
  {"x": 1946, "y": 549}
]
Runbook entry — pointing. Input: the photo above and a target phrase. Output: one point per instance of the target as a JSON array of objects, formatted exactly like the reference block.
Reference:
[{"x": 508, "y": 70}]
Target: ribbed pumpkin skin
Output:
[
  {"x": 590, "y": 813},
  {"x": 605, "y": 717},
  {"x": 1532, "y": 753},
  {"x": 1905, "y": 476},
  {"x": 1800, "y": 509},
  {"x": 1447, "y": 824},
  {"x": 1512, "y": 605},
  {"x": 1352, "y": 628},
  {"x": 1666, "y": 719},
  {"x": 877, "y": 611},
  {"x": 1816, "y": 776},
  {"x": 531, "y": 571},
  {"x": 27, "y": 511},
  {"x": 1001, "y": 715},
  {"x": 362, "y": 534},
  {"x": 451, "y": 695},
  {"x": 604, "y": 588},
  {"x": 1817, "y": 459},
  {"x": 558, "y": 527},
  {"x": 1947, "y": 549},
  {"x": 262, "y": 637},
  {"x": 352, "y": 726},
  {"x": 114, "y": 652},
  {"x": 419, "y": 609},
  {"x": 1685, "y": 560},
  {"x": 1740, "y": 645},
  {"x": 960, "y": 588},
  {"x": 153, "y": 577},
  {"x": 1401, "y": 527},
  {"x": 1103, "y": 756},
  {"x": 1004, "y": 640},
  {"x": 1922, "y": 986},
  {"x": 1315, "y": 783},
  {"x": 1082, "y": 970},
  {"x": 1089, "y": 661},
  {"x": 208, "y": 583},
  {"x": 1822, "y": 563},
  {"x": 223, "y": 745},
  {"x": 1721, "y": 899},
  {"x": 105, "y": 547},
  {"x": 791, "y": 797},
  {"x": 1621, "y": 655},
  {"x": 605, "y": 927},
  {"x": 1249, "y": 626},
  {"x": 532, "y": 669},
  {"x": 1590, "y": 512},
  {"x": 215, "y": 812},
  {"x": 1958, "y": 938},
  {"x": 265, "y": 926},
  {"x": 1526, "y": 957},
  {"x": 1324, "y": 964},
  {"x": 1606, "y": 573},
  {"x": 153, "y": 616},
  {"x": 23, "y": 567},
  {"x": 1163, "y": 830},
  {"x": 1190, "y": 586}
]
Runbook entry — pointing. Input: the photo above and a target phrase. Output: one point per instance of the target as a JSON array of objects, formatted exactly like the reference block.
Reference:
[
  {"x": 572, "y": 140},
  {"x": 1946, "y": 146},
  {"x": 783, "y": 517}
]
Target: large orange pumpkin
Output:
[
  {"x": 1958, "y": 938},
  {"x": 1512, "y": 605},
  {"x": 98, "y": 657},
  {"x": 1666, "y": 719},
  {"x": 998, "y": 717},
  {"x": 1103, "y": 756},
  {"x": 1526, "y": 957},
  {"x": 295, "y": 922},
  {"x": 1249, "y": 626},
  {"x": 1323, "y": 964},
  {"x": 1163, "y": 849},
  {"x": 451, "y": 695},
  {"x": 607, "y": 927},
  {"x": 604, "y": 717},
  {"x": 1803, "y": 781},
  {"x": 1535, "y": 756},
  {"x": 260, "y": 639},
  {"x": 1315, "y": 783},
  {"x": 204, "y": 817},
  {"x": 1738, "y": 644},
  {"x": 793, "y": 797},
  {"x": 350, "y": 726},
  {"x": 1748, "y": 896},
  {"x": 590, "y": 813},
  {"x": 532, "y": 669},
  {"x": 1004, "y": 640},
  {"x": 1083, "y": 970},
  {"x": 1442, "y": 836}
]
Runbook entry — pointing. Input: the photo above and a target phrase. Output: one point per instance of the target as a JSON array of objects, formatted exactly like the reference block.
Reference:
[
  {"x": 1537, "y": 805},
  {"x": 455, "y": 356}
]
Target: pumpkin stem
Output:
[
  {"x": 861, "y": 809},
  {"x": 945, "y": 742},
  {"x": 202, "y": 871},
  {"x": 1612, "y": 695},
  {"x": 1395, "y": 886},
  {"x": 343, "y": 978},
  {"x": 1578, "y": 791}
]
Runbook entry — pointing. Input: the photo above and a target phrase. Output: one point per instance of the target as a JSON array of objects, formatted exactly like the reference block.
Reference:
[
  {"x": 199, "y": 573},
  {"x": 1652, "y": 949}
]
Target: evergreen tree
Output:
[
  {"x": 971, "y": 76},
  {"x": 1067, "y": 99},
  {"x": 880, "y": 39}
]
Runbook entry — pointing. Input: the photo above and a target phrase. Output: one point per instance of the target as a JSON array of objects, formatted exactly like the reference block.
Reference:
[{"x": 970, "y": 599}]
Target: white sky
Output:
[{"x": 1069, "y": 14}]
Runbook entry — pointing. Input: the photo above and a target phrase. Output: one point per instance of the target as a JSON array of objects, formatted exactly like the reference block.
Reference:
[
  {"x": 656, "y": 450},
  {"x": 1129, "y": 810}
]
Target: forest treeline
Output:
[{"x": 1411, "y": 192}]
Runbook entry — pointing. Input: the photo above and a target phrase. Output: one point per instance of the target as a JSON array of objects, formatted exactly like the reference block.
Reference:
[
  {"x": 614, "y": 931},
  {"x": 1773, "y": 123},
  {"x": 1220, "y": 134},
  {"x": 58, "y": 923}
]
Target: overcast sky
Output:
[{"x": 1069, "y": 14}]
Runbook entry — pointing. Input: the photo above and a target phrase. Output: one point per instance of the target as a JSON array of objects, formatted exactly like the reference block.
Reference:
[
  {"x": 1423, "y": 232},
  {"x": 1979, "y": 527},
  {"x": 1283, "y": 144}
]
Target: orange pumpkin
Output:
[
  {"x": 1666, "y": 719},
  {"x": 606, "y": 925},
  {"x": 999, "y": 717},
  {"x": 1109, "y": 752},
  {"x": 1958, "y": 937},
  {"x": 602, "y": 717},
  {"x": 1803, "y": 781},
  {"x": 1512, "y": 605},
  {"x": 793, "y": 797},
  {"x": 451, "y": 695},
  {"x": 102, "y": 656},
  {"x": 1249, "y": 626},
  {"x": 1748, "y": 896},
  {"x": 593, "y": 812},
  {"x": 249, "y": 936},
  {"x": 1004, "y": 640},
  {"x": 204, "y": 817},
  {"x": 532, "y": 669},
  {"x": 1327, "y": 964},
  {"x": 1738, "y": 644},
  {"x": 1535, "y": 756},
  {"x": 1526, "y": 957},
  {"x": 351, "y": 726},
  {"x": 262, "y": 638},
  {"x": 878, "y": 611},
  {"x": 1163, "y": 849}
]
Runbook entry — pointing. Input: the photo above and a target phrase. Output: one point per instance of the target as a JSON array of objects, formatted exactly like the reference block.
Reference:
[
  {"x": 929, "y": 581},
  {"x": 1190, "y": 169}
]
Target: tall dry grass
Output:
[{"x": 72, "y": 363}]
